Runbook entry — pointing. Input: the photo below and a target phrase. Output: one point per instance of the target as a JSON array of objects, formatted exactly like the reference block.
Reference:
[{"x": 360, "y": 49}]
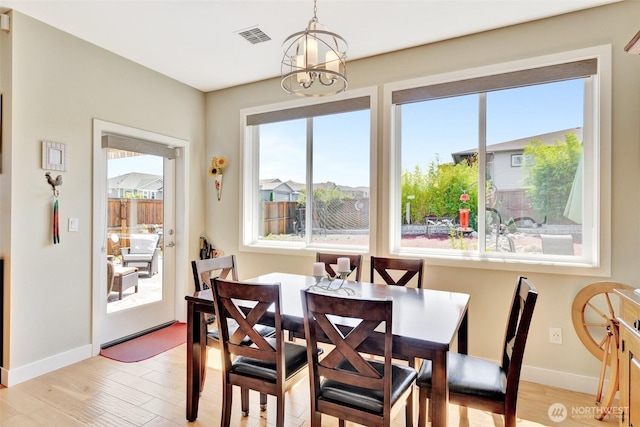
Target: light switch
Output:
[{"x": 73, "y": 224}]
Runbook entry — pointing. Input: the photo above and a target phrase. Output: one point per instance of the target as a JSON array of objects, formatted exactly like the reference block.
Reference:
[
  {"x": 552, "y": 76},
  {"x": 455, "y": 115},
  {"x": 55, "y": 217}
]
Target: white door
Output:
[{"x": 134, "y": 229}]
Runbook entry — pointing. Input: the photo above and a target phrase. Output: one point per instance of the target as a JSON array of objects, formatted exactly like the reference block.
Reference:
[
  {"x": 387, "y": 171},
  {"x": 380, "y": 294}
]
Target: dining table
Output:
[{"x": 426, "y": 325}]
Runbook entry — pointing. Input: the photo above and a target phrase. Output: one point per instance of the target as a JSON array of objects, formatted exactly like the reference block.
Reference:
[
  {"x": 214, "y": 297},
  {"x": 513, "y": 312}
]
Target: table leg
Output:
[
  {"x": 463, "y": 334},
  {"x": 194, "y": 361},
  {"x": 410, "y": 411},
  {"x": 439, "y": 390}
]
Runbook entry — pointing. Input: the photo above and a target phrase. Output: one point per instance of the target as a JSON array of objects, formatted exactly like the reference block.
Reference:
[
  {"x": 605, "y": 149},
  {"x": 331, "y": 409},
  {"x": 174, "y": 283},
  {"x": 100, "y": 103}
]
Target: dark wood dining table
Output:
[{"x": 426, "y": 323}]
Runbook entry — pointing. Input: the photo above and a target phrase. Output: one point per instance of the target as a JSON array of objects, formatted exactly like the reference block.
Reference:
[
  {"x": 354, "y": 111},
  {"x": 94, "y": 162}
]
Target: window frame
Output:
[
  {"x": 597, "y": 225},
  {"x": 249, "y": 177}
]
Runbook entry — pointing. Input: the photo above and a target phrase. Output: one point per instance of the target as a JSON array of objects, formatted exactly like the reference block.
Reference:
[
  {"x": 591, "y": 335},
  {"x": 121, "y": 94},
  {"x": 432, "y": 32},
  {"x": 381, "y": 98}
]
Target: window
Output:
[
  {"x": 307, "y": 176},
  {"x": 502, "y": 166},
  {"x": 516, "y": 160}
]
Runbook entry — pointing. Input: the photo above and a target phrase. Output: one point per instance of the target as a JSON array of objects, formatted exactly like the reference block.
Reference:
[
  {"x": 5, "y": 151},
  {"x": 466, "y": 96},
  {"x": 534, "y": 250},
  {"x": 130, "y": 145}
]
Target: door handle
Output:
[{"x": 170, "y": 245}]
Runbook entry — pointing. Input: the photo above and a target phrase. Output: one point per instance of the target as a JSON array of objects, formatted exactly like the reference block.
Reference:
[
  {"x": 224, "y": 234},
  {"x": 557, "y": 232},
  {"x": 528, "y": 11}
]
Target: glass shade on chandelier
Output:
[{"x": 314, "y": 61}]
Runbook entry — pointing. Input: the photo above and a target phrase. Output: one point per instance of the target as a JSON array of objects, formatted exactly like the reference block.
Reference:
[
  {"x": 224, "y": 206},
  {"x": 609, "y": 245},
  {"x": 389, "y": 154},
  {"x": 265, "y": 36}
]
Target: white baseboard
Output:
[
  {"x": 10, "y": 377},
  {"x": 564, "y": 380}
]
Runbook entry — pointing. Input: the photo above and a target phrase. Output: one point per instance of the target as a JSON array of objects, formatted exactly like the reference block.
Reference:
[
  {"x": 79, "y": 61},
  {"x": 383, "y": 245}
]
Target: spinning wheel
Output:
[{"x": 595, "y": 322}]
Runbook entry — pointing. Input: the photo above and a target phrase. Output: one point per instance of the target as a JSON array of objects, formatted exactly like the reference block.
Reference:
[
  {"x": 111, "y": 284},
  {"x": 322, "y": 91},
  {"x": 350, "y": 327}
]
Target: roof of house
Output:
[
  {"x": 273, "y": 184},
  {"x": 137, "y": 181},
  {"x": 519, "y": 144}
]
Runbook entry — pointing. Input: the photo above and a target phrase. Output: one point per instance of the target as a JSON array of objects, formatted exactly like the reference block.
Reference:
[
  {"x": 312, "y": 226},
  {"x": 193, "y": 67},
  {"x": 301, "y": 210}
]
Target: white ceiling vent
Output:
[{"x": 254, "y": 35}]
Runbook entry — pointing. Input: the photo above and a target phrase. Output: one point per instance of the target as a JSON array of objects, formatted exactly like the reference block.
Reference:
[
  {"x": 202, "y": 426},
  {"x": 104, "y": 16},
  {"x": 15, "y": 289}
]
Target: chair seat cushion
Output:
[
  {"x": 470, "y": 376},
  {"x": 367, "y": 399},
  {"x": 137, "y": 257},
  {"x": 295, "y": 358},
  {"x": 264, "y": 330}
]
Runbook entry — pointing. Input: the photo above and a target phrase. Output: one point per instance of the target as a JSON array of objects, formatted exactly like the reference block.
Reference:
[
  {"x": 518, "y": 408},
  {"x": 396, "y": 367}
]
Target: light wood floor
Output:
[{"x": 102, "y": 392}]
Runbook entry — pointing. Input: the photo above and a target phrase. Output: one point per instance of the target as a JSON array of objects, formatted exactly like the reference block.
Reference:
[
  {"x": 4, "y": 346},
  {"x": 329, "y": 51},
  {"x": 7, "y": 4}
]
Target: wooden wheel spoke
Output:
[
  {"x": 612, "y": 313},
  {"x": 602, "y": 325},
  {"x": 600, "y": 313},
  {"x": 605, "y": 343}
]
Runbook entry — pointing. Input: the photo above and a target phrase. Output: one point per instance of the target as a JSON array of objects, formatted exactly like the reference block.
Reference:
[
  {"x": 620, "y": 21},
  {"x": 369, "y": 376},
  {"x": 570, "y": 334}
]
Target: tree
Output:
[
  {"x": 549, "y": 171},
  {"x": 437, "y": 192}
]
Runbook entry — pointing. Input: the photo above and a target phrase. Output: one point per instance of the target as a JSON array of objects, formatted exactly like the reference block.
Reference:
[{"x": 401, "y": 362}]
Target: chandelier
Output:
[{"x": 314, "y": 61}]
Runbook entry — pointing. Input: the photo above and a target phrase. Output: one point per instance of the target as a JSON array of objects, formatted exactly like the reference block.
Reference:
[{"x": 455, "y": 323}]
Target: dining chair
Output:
[
  {"x": 204, "y": 271},
  {"x": 269, "y": 365},
  {"x": 331, "y": 261},
  {"x": 387, "y": 268},
  {"x": 482, "y": 384},
  {"x": 344, "y": 384}
]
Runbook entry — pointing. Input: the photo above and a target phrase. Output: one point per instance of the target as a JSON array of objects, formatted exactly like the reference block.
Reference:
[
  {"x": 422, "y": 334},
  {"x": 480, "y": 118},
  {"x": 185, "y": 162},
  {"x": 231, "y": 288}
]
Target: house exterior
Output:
[
  {"x": 136, "y": 185},
  {"x": 274, "y": 190},
  {"x": 506, "y": 159}
]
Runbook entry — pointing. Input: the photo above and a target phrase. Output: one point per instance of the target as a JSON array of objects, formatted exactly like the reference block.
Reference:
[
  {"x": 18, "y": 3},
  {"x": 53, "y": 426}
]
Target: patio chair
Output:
[
  {"x": 557, "y": 244},
  {"x": 143, "y": 252}
]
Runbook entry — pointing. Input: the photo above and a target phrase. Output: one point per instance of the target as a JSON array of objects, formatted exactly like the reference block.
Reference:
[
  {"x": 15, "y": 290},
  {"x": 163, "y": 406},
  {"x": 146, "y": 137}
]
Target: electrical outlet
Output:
[{"x": 555, "y": 335}]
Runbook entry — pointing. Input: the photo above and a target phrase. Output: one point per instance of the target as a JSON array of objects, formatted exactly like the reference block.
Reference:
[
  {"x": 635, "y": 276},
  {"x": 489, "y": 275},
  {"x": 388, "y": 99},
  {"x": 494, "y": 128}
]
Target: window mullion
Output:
[
  {"x": 482, "y": 172},
  {"x": 309, "y": 185}
]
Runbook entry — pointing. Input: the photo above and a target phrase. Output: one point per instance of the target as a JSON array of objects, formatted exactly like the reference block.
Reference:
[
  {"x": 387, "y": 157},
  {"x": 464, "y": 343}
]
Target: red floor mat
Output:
[{"x": 148, "y": 345}]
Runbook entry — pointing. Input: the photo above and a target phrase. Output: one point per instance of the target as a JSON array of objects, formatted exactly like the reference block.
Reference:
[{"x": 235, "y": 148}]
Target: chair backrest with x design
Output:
[
  {"x": 331, "y": 260},
  {"x": 204, "y": 270},
  {"x": 345, "y": 383},
  {"x": 268, "y": 365},
  {"x": 408, "y": 268},
  {"x": 262, "y": 297}
]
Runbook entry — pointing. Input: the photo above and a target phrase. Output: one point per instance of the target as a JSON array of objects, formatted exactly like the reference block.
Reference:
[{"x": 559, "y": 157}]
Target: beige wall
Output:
[
  {"x": 55, "y": 86},
  {"x": 568, "y": 365}
]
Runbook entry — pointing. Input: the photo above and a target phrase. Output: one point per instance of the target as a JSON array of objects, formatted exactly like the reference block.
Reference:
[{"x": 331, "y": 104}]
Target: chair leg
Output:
[
  {"x": 316, "y": 419},
  {"x": 422, "y": 408},
  {"x": 280, "y": 410},
  {"x": 409, "y": 409},
  {"x": 204, "y": 353},
  {"x": 341, "y": 423},
  {"x": 227, "y": 400},
  {"x": 510, "y": 420},
  {"x": 244, "y": 401},
  {"x": 263, "y": 401}
]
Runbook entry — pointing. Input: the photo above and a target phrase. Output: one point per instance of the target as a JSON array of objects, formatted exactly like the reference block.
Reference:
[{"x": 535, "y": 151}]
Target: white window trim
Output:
[
  {"x": 249, "y": 198},
  {"x": 600, "y": 125}
]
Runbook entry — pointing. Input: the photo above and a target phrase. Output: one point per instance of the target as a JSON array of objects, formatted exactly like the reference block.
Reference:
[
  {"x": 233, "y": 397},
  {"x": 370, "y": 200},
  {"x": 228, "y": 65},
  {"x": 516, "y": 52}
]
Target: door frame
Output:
[{"x": 99, "y": 245}]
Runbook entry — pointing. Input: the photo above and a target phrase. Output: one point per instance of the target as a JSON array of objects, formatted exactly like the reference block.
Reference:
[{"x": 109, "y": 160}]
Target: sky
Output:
[
  {"x": 341, "y": 149},
  {"x": 450, "y": 125},
  {"x": 430, "y": 130},
  {"x": 144, "y": 164}
]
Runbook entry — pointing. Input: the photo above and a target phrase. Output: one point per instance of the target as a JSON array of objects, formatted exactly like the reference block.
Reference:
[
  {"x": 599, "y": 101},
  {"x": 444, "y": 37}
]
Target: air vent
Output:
[{"x": 254, "y": 35}]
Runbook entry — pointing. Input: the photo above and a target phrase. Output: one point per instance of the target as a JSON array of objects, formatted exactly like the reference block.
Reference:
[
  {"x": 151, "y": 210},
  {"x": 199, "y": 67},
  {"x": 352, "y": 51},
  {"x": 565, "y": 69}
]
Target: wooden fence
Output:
[
  {"x": 289, "y": 217},
  {"x": 128, "y": 216}
]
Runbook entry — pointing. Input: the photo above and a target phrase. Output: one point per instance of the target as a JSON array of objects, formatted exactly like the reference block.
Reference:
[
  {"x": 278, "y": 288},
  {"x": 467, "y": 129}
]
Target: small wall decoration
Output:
[
  {"x": 54, "y": 183},
  {"x": 215, "y": 170},
  {"x": 54, "y": 156}
]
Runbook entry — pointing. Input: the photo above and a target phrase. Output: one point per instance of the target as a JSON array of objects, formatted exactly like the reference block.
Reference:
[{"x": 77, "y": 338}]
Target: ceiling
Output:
[{"x": 197, "y": 42}]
